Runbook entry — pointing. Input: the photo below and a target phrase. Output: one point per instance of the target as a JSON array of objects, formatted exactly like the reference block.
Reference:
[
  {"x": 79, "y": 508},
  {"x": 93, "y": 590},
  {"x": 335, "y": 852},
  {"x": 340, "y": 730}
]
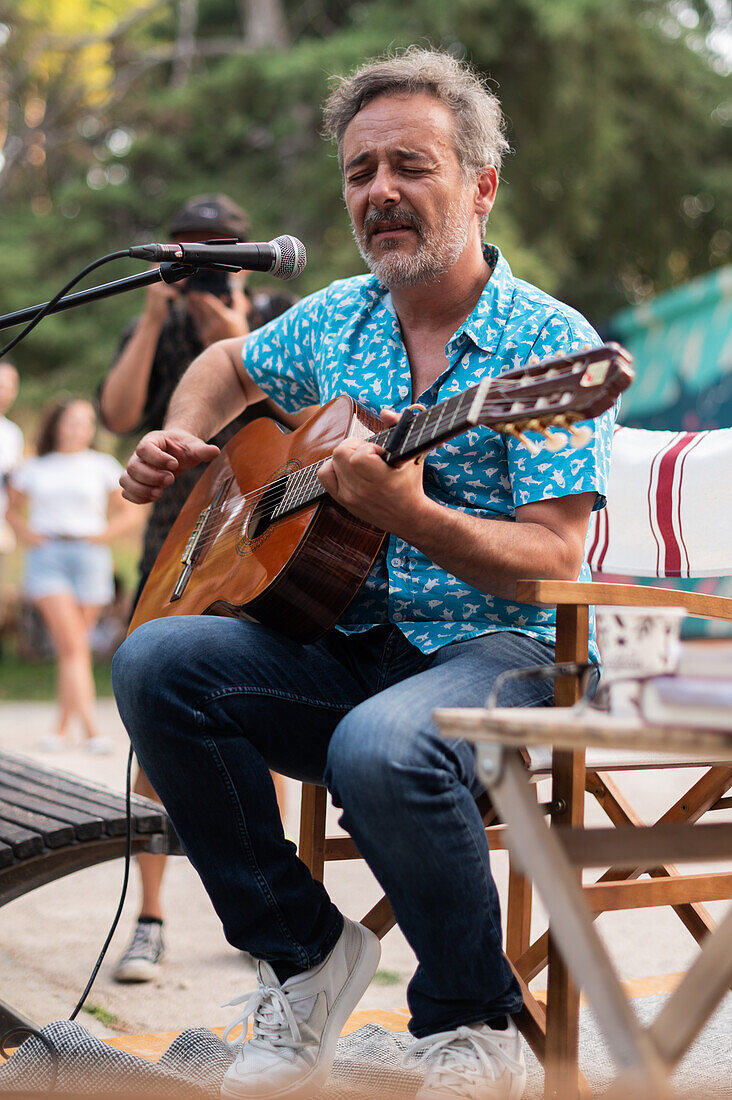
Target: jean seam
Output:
[
  {"x": 273, "y": 693},
  {"x": 248, "y": 852}
]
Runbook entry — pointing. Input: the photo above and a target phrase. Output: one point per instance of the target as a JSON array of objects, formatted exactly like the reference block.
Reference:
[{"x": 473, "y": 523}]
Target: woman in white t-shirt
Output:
[{"x": 65, "y": 506}]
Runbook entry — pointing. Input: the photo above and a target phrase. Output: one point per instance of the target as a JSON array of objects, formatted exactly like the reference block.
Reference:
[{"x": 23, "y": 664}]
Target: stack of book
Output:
[{"x": 698, "y": 694}]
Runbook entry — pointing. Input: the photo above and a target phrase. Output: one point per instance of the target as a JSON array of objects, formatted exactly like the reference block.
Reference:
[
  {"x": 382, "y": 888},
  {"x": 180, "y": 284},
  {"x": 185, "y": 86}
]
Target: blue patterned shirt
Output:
[{"x": 347, "y": 339}]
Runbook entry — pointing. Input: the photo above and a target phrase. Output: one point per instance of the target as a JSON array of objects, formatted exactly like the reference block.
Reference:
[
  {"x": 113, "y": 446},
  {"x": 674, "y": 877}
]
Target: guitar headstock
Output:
[{"x": 554, "y": 393}]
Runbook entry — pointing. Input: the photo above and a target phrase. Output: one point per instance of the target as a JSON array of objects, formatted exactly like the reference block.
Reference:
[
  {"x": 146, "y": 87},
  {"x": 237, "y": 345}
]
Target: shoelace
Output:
[
  {"x": 457, "y": 1054},
  {"x": 271, "y": 1010},
  {"x": 142, "y": 941}
]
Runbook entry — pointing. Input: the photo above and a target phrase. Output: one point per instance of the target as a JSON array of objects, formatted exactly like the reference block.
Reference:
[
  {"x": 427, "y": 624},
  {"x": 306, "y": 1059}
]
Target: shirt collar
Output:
[{"x": 486, "y": 322}]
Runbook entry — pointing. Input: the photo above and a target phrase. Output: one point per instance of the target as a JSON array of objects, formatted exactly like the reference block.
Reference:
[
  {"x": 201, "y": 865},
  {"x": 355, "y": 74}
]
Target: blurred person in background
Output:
[
  {"x": 178, "y": 322},
  {"x": 65, "y": 507},
  {"x": 11, "y": 452}
]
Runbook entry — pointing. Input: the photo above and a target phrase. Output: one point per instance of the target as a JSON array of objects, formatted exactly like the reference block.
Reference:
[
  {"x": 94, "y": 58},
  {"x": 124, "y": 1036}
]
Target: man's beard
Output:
[{"x": 437, "y": 249}]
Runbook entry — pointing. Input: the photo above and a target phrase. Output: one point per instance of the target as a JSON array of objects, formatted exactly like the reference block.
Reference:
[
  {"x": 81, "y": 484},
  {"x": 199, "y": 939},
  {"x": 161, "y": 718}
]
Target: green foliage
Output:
[{"x": 619, "y": 185}]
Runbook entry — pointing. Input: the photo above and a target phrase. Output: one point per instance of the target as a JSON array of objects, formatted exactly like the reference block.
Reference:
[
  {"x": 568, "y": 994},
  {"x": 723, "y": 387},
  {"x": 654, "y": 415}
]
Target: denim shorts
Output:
[{"x": 70, "y": 565}]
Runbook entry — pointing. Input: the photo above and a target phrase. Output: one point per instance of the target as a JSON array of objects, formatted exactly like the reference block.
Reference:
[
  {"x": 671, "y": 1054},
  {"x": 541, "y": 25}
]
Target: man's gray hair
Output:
[{"x": 478, "y": 134}]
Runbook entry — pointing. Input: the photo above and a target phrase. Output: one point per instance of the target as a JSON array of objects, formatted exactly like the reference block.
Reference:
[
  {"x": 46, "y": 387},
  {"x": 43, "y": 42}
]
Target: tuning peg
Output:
[
  {"x": 555, "y": 441},
  {"x": 580, "y": 436},
  {"x": 533, "y": 448}
]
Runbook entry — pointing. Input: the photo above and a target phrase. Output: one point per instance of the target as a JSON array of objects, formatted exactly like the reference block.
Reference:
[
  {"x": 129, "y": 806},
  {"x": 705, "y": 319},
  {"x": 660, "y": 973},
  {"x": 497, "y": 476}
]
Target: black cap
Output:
[{"x": 216, "y": 213}]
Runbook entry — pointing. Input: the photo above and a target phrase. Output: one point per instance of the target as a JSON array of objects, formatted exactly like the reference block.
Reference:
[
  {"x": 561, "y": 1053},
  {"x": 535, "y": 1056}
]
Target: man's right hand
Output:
[{"x": 158, "y": 459}]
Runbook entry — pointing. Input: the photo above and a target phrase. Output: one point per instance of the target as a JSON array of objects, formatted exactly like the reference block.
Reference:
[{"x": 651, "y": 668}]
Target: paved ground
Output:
[{"x": 50, "y": 938}]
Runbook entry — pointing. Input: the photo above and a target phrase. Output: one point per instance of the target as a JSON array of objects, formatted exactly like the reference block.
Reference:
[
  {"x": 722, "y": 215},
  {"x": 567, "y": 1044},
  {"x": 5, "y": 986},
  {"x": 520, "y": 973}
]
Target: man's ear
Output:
[{"x": 486, "y": 187}]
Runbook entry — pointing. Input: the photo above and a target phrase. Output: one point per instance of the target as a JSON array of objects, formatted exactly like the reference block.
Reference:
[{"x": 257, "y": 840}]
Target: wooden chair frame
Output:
[
  {"x": 552, "y": 1029},
  {"x": 570, "y": 780}
]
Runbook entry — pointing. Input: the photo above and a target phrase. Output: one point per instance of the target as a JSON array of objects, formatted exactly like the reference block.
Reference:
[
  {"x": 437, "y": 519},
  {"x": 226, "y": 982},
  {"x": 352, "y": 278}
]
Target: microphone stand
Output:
[{"x": 166, "y": 273}]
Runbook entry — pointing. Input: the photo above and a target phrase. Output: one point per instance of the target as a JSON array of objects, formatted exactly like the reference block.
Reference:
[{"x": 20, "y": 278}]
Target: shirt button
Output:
[
  {"x": 396, "y": 562},
  {"x": 397, "y": 616}
]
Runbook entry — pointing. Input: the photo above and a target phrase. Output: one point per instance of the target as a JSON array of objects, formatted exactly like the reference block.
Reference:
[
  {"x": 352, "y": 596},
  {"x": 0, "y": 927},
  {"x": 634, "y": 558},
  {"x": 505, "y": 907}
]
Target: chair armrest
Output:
[{"x": 622, "y": 595}]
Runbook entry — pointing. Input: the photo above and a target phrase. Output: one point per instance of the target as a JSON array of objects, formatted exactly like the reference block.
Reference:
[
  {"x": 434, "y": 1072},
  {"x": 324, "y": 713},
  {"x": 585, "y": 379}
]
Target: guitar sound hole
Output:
[{"x": 263, "y": 515}]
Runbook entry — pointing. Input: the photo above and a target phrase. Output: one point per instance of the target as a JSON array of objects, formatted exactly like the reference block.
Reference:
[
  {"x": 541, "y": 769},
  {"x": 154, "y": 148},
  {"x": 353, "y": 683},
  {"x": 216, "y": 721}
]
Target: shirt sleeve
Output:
[
  {"x": 282, "y": 356},
  {"x": 110, "y": 470},
  {"x": 547, "y": 475},
  {"x": 21, "y": 477}
]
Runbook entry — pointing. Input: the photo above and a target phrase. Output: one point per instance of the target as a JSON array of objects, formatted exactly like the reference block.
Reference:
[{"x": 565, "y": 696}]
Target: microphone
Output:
[{"x": 284, "y": 257}]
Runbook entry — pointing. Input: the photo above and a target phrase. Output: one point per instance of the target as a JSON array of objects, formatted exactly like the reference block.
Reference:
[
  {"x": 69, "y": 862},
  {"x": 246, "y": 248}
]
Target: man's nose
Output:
[{"x": 384, "y": 190}]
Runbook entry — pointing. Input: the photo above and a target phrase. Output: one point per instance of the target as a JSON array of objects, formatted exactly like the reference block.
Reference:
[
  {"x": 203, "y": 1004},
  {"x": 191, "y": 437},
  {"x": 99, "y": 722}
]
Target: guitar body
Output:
[{"x": 296, "y": 573}]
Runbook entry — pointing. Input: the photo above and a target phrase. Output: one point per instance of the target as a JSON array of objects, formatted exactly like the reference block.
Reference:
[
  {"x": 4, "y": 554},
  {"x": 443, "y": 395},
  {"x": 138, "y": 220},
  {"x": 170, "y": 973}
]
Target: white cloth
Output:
[
  {"x": 68, "y": 494},
  {"x": 11, "y": 452},
  {"x": 669, "y": 506}
]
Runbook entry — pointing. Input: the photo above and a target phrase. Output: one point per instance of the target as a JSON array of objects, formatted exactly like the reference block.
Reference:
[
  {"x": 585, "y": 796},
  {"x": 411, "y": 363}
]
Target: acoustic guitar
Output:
[{"x": 259, "y": 538}]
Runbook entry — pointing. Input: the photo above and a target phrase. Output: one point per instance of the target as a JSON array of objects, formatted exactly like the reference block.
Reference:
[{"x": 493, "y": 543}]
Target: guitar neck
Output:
[
  {"x": 560, "y": 391},
  {"x": 425, "y": 430}
]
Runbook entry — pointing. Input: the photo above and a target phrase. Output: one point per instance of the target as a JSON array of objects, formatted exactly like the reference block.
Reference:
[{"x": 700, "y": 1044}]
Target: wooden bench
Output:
[{"x": 53, "y": 823}]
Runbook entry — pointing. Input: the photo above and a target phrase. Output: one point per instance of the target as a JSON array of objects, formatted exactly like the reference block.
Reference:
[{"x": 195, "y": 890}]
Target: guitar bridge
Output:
[{"x": 195, "y": 544}]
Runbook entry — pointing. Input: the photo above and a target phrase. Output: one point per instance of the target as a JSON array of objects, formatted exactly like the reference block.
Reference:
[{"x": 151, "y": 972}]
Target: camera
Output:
[{"x": 209, "y": 281}]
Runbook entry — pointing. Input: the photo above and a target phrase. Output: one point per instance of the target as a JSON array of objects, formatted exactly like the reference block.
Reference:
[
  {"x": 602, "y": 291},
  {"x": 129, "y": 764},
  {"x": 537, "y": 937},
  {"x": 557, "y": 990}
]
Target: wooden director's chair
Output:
[{"x": 669, "y": 514}]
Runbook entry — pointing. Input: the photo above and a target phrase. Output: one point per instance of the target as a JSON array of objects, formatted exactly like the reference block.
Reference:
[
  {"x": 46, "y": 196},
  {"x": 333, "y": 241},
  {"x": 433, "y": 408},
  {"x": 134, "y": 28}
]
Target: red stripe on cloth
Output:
[
  {"x": 699, "y": 437},
  {"x": 596, "y": 537},
  {"x": 606, "y": 539},
  {"x": 665, "y": 505},
  {"x": 651, "y": 501}
]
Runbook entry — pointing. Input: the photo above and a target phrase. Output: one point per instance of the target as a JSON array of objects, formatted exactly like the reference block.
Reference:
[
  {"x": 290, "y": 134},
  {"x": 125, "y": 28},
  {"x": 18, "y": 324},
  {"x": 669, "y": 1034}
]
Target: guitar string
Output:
[{"x": 279, "y": 489}]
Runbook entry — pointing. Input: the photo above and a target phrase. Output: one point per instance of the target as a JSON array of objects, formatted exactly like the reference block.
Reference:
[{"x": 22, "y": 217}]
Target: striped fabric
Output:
[{"x": 669, "y": 506}]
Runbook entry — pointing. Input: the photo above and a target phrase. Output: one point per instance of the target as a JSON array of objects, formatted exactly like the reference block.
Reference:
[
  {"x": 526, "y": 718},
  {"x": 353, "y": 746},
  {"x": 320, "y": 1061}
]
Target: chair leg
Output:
[
  {"x": 518, "y": 914},
  {"x": 689, "y": 808},
  {"x": 312, "y": 828},
  {"x": 568, "y": 786},
  {"x": 562, "y": 1008}
]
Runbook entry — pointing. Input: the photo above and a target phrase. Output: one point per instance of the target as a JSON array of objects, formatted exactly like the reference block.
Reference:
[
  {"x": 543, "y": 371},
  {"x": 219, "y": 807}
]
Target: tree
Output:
[{"x": 620, "y": 121}]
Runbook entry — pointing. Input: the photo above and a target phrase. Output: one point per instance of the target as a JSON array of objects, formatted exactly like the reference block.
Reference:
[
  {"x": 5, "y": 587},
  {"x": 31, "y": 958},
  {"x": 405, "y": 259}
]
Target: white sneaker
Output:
[
  {"x": 52, "y": 742},
  {"x": 98, "y": 745},
  {"x": 297, "y": 1022},
  {"x": 141, "y": 961},
  {"x": 475, "y": 1063}
]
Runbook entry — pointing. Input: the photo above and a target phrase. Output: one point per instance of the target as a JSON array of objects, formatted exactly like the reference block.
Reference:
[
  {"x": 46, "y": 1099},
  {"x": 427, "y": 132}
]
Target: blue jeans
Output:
[{"x": 211, "y": 704}]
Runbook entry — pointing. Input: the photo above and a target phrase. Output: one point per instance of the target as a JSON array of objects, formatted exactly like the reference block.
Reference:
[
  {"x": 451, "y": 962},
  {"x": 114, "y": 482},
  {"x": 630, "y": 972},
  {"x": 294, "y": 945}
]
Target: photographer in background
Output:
[{"x": 178, "y": 322}]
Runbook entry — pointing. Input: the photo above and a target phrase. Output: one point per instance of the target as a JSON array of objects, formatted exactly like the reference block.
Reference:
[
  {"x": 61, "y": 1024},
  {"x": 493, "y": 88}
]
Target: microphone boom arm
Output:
[{"x": 166, "y": 273}]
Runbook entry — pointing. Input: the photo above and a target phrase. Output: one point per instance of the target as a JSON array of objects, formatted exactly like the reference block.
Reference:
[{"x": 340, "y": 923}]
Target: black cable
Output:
[
  {"x": 4, "y": 1053},
  {"x": 45, "y": 309},
  {"x": 23, "y": 1030},
  {"x": 125, "y": 881}
]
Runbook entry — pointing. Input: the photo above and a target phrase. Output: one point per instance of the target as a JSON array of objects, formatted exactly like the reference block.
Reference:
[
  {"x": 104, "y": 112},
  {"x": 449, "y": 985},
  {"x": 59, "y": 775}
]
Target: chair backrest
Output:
[{"x": 669, "y": 511}]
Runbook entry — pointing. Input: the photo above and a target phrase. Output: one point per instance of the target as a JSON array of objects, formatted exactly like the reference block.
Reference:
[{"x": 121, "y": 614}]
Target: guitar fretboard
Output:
[{"x": 427, "y": 429}]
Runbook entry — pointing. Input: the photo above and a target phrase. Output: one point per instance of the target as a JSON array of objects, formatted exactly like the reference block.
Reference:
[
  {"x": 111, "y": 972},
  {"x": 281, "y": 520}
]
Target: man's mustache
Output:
[{"x": 393, "y": 216}]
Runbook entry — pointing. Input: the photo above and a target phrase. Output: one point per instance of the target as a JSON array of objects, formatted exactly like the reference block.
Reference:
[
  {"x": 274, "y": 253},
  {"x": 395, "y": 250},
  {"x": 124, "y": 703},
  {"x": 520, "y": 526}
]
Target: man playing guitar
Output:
[{"x": 420, "y": 143}]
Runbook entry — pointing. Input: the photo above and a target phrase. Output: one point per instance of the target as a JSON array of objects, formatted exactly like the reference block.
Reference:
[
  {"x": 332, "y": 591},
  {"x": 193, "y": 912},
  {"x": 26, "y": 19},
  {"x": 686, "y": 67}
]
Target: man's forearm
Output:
[
  {"x": 213, "y": 391},
  {"x": 493, "y": 554},
  {"x": 124, "y": 394}
]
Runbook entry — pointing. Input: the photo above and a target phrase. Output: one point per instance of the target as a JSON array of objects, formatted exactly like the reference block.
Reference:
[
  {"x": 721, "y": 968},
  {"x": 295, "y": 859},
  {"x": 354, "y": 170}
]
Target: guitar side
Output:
[{"x": 297, "y": 573}]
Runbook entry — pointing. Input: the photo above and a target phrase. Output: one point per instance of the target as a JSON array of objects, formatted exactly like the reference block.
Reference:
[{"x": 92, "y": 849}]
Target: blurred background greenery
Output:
[{"x": 112, "y": 113}]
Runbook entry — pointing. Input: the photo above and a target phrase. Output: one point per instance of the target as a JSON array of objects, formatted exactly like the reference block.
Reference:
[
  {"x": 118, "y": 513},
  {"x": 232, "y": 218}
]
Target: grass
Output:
[
  {"x": 387, "y": 977},
  {"x": 106, "y": 1018},
  {"x": 35, "y": 681}
]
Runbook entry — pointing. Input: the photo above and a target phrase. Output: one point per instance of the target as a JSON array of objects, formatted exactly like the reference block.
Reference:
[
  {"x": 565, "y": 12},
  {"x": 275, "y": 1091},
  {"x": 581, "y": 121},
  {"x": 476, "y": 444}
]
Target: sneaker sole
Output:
[
  {"x": 343, "y": 1006},
  {"x": 137, "y": 970}
]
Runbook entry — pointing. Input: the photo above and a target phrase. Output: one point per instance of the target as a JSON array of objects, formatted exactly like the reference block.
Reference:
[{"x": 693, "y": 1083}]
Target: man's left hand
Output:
[
  {"x": 214, "y": 320},
  {"x": 389, "y": 497}
]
